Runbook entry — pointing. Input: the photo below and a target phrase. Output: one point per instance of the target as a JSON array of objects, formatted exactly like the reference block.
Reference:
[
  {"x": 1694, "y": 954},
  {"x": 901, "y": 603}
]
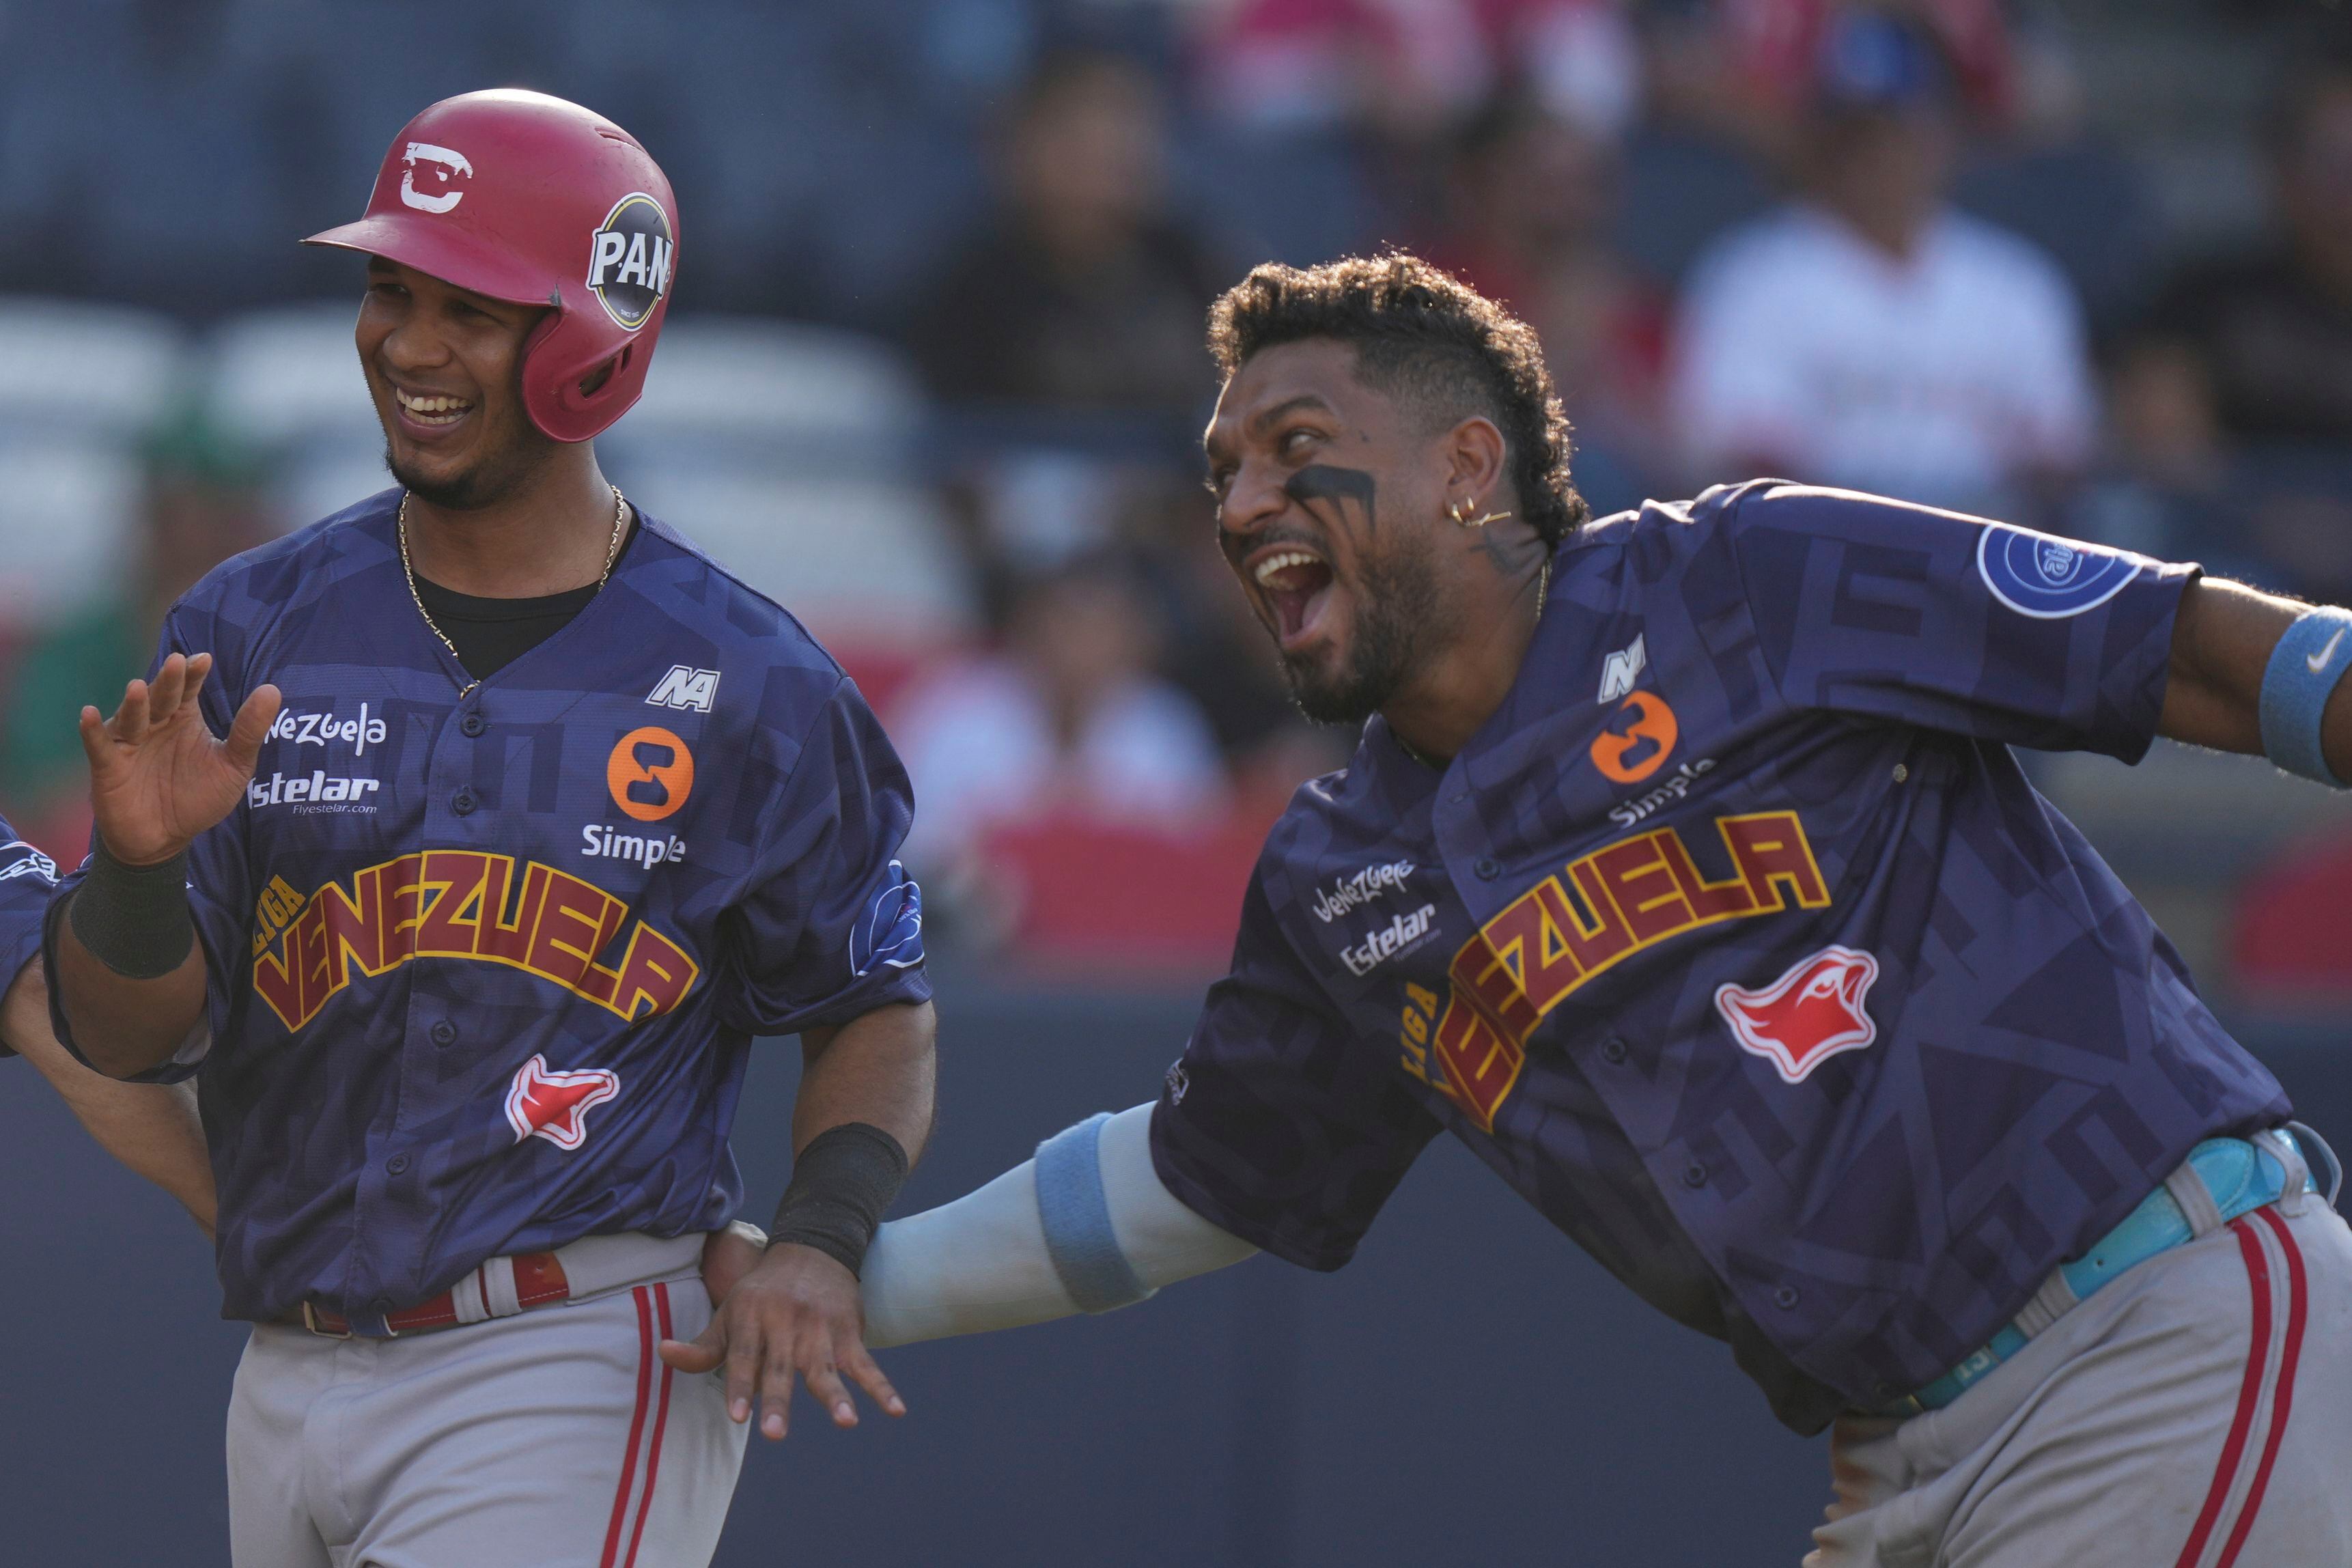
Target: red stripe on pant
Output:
[
  {"x": 636, "y": 1428},
  {"x": 2250, "y": 1392},
  {"x": 2283, "y": 1397},
  {"x": 661, "y": 1419}
]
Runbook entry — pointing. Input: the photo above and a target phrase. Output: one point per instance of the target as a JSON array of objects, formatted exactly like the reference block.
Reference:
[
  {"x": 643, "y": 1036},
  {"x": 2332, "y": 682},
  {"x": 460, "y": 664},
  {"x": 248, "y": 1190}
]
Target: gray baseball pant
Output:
[
  {"x": 2194, "y": 1413},
  {"x": 554, "y": 1437}
]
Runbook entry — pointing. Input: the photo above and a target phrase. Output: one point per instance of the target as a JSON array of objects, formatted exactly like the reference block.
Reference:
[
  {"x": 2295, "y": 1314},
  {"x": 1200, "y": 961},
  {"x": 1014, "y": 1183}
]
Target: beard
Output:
[
  {"x": 1396, "y": 607},
  {"x": 490, "y": 479}
]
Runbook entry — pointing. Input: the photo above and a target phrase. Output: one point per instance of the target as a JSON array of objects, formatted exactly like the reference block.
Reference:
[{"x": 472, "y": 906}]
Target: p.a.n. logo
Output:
[{"x": 629, "y": 259}]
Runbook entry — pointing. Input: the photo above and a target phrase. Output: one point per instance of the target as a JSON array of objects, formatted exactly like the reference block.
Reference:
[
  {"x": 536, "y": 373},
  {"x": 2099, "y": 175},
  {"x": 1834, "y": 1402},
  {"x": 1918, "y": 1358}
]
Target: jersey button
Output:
[
  {"x": 1487, "y": 867},
  {"x": 473, "y": 724},
  {"x": 1694, "y": 1174},
  {"x": 1785, "y": 1297},
  {"x": 396, "y": 1164},
  {"x": 445, "y": 1033},
  {"x": 1613, "y": 1049},
  {"x": 462, "y": 802}
]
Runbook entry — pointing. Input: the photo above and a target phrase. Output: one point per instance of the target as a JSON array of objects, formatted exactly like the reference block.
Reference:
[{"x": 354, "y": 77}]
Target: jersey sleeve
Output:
[
  {"x": 1279, "y": 1123},
  {"x": 832, "y": 926},
  {"x": 1893, "y": 611},
  {"x": 27, "y": 878},
  {"x": 220, "y": 884}
]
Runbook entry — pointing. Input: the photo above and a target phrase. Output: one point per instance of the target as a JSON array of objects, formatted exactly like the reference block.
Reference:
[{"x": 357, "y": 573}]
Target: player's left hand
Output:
[{"x": 795, "y": 1314}]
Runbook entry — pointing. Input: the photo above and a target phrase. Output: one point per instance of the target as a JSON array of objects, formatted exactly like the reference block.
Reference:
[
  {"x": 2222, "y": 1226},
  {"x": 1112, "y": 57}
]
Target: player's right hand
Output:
[{"x": 157, "y": 776}]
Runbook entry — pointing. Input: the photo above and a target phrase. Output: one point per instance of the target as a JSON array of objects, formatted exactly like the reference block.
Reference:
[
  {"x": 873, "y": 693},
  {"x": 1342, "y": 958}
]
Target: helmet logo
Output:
[
  {"x": 442, "y": 164},
  {"x": 629, "y": 259}
]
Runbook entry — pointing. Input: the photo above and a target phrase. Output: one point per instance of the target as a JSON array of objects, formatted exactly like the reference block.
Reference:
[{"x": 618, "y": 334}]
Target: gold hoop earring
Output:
[{"x": 1459, "y": 513}]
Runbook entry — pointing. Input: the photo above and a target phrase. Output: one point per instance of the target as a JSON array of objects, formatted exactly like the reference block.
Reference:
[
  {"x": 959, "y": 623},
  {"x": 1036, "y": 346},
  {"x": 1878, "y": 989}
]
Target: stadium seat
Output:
[
  {"x": 90, "y": 368},
  {"x": 1113, "y": 905}
]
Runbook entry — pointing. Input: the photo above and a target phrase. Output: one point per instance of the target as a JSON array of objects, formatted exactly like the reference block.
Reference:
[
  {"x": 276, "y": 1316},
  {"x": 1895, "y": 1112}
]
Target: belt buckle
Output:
[{"x": 311, "y": 1322}]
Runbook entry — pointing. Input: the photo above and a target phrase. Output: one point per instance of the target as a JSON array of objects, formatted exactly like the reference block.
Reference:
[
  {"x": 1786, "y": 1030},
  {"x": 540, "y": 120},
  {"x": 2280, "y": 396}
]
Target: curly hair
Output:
[{"x": 1426, "y": 338}]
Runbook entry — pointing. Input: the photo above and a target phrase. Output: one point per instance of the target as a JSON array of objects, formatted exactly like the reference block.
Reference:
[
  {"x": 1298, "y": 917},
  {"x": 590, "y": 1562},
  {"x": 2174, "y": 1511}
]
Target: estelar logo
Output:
[
  {"x": 650, "y": 774},
  {"x": 1637, "y": 740}
]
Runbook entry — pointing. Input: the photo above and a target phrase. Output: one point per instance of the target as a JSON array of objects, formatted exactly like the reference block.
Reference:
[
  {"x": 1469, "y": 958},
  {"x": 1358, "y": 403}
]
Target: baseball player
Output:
[
  {"x": 151, "y": 1129},
  {"x": 523, "y": 818},
  {"x": 1685, "y": 873}
]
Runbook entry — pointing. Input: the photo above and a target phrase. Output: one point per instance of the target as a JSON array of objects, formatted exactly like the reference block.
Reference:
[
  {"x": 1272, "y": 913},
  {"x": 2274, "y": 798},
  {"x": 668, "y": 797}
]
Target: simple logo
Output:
[
  {"x": 1676, "y": 786},
  {"x": 555, "y": 1105},
  {"x": 441, "y": 165},
  {"x": 1361, "y": 888},
  {"x": 2046, "y": 577},
  {"x": 629, "y": 259},
  {"x": 1633, "y": 754},
  {"x": 1401, "y": 935},
  {"x": 1621, "y": 669},
  {"x": 2320, "y": 660},
  {"x": 890, "y": 932},
  {"x": 601, "y": 843},
  {"x": 18, "y": 859},
  {"x": 650, "y": 773},
  {"x": 1178, "y": 1081},
  {"x": 1810, "y": 1014},
  {"x": 684, "y": 688},
  {"x": 326, "y": 729}
]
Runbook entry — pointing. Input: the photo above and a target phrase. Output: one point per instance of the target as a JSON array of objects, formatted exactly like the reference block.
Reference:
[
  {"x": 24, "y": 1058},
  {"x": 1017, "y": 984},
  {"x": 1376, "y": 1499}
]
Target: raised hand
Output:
[{"x": 157, "y": 776}]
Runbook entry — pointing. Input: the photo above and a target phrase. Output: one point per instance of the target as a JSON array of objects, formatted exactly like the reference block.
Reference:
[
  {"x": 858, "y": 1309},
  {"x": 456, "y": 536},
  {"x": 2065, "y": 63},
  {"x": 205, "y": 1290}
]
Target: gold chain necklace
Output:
[{"x": 612, "y": 553}]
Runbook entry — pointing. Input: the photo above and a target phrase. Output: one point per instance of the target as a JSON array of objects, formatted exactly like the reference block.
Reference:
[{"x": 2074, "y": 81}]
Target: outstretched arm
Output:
[
  {"x": 1086, "y": 1227},
  {"x": 2221, "y": 678},
  {"x": 151, "y": 1127}
]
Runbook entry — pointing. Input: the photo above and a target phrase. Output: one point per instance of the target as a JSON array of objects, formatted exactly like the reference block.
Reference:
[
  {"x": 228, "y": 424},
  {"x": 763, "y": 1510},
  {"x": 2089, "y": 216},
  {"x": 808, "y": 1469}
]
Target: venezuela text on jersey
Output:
[
  {"x": 1567, "y": 928},
  {"x": 453, "y": 903}
]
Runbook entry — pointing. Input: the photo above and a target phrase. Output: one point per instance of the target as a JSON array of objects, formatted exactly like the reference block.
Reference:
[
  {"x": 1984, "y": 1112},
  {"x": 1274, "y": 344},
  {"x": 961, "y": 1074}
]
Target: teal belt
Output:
[{"x": 2240, "y": 1175}]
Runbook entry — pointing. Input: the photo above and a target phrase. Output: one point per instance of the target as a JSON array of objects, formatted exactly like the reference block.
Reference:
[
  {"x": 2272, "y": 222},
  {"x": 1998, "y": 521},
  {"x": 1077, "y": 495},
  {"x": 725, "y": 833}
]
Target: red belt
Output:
[{"x": 539, "y": 1281}]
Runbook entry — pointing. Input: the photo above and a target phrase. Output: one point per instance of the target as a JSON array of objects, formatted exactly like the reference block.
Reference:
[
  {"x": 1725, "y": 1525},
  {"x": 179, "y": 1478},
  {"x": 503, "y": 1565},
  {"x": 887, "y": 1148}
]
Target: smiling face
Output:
[
  {"x": 444, "y": 366},
  {"x": 1329, "y": 496}
]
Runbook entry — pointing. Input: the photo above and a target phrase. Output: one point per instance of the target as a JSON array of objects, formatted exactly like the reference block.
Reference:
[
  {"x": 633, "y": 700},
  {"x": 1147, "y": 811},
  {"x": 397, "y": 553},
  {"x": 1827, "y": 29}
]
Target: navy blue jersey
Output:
[
  {"x": 1738, "y": 945},
  {"x": 26, "y": 876},
  {"x": 483, "y": 972}
]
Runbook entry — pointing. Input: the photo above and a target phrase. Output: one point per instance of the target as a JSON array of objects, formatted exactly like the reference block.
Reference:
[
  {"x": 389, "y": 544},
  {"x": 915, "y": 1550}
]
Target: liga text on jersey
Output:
[
  {"x": 452, "y": 903},
  {"x": 1603, "y": 907}
]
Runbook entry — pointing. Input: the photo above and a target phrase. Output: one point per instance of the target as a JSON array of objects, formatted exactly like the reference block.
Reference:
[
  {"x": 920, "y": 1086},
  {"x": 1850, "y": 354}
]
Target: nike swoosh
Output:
[{"x": 2320, "y": 660}]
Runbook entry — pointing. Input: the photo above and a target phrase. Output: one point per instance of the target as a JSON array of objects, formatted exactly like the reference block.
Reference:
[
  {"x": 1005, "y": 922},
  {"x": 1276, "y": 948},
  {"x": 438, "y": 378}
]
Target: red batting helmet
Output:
[{"x": 529, "y": 198}]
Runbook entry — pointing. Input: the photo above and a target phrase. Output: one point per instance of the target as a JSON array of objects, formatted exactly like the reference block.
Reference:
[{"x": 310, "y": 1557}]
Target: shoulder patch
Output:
[{"x": 2046, "y": 577}]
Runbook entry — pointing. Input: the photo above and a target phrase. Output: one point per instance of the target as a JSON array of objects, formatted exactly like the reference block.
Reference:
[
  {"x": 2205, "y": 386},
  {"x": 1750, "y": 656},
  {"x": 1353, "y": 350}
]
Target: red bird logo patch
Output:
[
  {"x": 555, "y": 1105},
  {"x": 1807, "y": 1015}
]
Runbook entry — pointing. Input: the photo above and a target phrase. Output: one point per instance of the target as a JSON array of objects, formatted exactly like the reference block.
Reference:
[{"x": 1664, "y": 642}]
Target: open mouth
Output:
[
  {"x": 1297, "y": 584},
  {"x": 437, "y": 411}
]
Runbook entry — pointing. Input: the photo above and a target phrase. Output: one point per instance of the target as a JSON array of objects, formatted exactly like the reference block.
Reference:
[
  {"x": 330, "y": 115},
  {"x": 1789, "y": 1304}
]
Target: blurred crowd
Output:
[{"x": 1875, "y": 245}]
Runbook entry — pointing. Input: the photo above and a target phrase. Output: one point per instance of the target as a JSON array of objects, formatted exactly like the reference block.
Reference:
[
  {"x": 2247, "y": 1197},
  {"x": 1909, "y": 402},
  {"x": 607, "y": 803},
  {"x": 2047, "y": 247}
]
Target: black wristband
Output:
[
  {"x": 842, "y": 1184},
  {"x": 135, "y": 919}
]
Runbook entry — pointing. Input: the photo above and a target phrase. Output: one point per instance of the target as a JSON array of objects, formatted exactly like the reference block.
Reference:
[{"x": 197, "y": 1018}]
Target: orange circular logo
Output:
[
  {"x": 650, "y": 774},
  {"x": 1634, "y": 754}
]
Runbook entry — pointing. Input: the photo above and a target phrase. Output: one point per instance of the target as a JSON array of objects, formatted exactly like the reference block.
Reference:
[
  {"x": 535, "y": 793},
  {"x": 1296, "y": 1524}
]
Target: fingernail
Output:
[
  {"x": 740, "y": 1410},
  {"x": 774, "y": 1427},
  {"x": 845, "y": 1414}
]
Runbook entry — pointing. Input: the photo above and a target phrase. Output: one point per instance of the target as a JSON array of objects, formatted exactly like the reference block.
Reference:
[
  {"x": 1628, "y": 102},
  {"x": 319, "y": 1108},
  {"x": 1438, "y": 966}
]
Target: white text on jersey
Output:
[
  {"x": 1361, "y": 888},
  {"x": 323, "y": 729},
  {"x": 283, "y": 791},
  {"x": 606, "y": 844},
  {"x": 684, "y": 687},
  {"x": 1403, "y": 933}
]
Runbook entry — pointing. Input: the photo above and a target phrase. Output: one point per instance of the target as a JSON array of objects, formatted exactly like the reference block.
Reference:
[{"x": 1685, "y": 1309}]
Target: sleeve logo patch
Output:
[
  {"x": 2048, "y": 578},
  {"x": 890, "y": 931}
]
